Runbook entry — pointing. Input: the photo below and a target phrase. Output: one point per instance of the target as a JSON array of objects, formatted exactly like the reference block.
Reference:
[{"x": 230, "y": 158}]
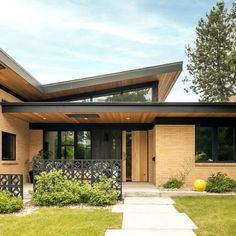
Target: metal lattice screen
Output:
[
  {"x": 88, "y": 170},
  {"x": 12, "y": 183}
]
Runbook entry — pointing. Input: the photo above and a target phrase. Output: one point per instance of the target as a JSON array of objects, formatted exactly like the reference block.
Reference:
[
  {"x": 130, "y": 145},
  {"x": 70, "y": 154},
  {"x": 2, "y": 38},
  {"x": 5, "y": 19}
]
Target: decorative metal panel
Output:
[
  {"x": 88, "y": 170},
  {"x": 12, "y": 183}
]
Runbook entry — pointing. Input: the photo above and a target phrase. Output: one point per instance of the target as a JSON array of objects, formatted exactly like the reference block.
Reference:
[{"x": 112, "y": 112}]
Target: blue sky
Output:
[{"x": 62, "y": 40}]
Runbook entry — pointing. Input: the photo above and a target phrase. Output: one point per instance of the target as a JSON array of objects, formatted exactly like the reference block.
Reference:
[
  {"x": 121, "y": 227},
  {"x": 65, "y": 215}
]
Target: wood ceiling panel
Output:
[{"x": 12, "y": 81}]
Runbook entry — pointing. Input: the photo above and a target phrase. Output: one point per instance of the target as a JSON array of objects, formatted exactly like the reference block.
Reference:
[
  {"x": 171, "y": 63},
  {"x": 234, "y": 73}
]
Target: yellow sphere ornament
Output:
[{"x": 199, "y": 185}]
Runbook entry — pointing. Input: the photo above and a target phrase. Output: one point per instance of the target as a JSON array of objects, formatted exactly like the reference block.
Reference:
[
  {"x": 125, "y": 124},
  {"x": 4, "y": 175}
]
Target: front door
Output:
[{"x": 135, "y": 156}]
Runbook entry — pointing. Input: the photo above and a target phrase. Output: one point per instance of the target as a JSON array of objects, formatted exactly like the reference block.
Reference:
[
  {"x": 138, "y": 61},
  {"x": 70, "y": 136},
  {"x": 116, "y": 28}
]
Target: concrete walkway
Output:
[{"x": 149, "y": 216}]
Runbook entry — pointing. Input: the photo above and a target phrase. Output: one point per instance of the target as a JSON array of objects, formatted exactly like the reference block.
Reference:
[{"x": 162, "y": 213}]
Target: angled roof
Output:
[{"x": 16, "y": 79}]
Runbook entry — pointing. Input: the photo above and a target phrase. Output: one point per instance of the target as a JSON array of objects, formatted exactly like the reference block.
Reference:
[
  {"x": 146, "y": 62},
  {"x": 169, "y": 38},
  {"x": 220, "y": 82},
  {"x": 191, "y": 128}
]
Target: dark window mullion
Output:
[
  {"x": 215, "y": 144},
  {"x": 59, "y": 145},
  {"x": 76, "y": 155},
  {"x": 235, "y": 144}
]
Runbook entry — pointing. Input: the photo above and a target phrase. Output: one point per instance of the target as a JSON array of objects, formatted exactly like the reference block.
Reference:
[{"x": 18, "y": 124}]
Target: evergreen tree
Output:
[
  {"x": 231, "y": 59},
  {"x": 212, "y": 77}
]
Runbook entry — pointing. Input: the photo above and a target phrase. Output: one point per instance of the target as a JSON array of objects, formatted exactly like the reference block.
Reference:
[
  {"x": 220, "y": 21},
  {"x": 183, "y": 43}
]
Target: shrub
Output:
[
  {"x": 9, "y": 203},
  {"x": 85, "y": 191},
  {"x": 219, "y": 183},
  {"x": 173, "y": 183},
  {"x": 53, "y": 188},
  {"x": 103, "y": 193}
]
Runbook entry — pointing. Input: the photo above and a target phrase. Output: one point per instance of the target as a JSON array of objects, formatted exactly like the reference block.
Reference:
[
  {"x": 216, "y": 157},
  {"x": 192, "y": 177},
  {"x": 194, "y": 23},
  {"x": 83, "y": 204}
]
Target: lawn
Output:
[
  {"x": 214, "y": 215},
  {"x": 60, "y": 221}
]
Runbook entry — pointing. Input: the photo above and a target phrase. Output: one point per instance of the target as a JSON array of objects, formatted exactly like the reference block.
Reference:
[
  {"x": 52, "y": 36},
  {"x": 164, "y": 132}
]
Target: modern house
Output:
[{"x": 120, "y": 116}]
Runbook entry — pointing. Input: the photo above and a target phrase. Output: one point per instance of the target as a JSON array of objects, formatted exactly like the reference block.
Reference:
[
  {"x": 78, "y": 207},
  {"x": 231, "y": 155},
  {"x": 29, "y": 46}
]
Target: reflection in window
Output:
[
  {"x": 67, "y": 145},
  {"x": 51, "y": 143},
  {"x": 137, "y": 95},
  {"x": 84, "y": 144},
  {"x": 8, "y": 147},
  {"x": 215, "y": 144},
  {"x": 82, "y": 100},
  {"x": 225, "y": 143},
  {"x": 204, "y": 138},
  {"x": 102, "y": 98}
]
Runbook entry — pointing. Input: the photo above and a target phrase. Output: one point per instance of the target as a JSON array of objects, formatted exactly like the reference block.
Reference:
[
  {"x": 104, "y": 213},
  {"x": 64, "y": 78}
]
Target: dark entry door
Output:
[{"x": 106, "y": 144}]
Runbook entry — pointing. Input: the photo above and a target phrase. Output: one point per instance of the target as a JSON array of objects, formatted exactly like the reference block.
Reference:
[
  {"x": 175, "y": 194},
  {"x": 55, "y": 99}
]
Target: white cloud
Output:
[{"x": 61, "y": 36}]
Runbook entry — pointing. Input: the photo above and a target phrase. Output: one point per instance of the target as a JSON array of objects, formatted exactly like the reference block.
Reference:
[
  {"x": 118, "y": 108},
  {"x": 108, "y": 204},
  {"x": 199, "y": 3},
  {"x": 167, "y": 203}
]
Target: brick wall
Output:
[
  {"x": 27, "y": 142},
  {"x": 36, "y": 142},
  {"x": 175, "y": 152}
]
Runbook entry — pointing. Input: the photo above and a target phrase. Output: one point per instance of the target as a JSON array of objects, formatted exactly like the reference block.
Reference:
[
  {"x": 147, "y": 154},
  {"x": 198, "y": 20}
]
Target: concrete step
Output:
[
  {"x": 149, "y": 200},
  {"x": 152, "y": 220},
  {"x": 150, "y": 208},
  {"x": 146, "y": 232},
  {"x": 141, "y": 194}
]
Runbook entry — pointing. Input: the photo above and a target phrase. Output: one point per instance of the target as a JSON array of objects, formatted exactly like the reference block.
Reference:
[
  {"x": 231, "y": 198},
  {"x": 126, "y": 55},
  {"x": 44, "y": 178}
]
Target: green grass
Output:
[
  {"x": 60, "y": 221},
  {"x": 214, "y": 215}
]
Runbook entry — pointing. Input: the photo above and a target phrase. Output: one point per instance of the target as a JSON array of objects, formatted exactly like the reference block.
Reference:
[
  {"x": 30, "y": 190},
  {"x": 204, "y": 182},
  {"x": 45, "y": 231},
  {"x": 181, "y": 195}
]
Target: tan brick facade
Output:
[
  {"x": 173, "y": 147},
  {"x": 27, "y": 142},
  {"x": 175, "y": 153}
]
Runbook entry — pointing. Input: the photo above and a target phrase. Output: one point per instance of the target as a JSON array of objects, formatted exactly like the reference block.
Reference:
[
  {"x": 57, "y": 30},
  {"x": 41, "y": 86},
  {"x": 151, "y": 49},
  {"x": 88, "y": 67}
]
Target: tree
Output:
[
  {"x": 212, "y": 77},
  {"x": 231, "y": 59}
]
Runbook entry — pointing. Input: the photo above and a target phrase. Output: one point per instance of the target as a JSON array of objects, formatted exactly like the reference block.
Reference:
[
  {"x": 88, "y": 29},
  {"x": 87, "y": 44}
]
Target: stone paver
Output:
[
  {"x": 148, "y": 200},
  {"x": 157, "y": 221},
  {"x": 144, "y": 208},
  {"x": 149, "y": 216}
]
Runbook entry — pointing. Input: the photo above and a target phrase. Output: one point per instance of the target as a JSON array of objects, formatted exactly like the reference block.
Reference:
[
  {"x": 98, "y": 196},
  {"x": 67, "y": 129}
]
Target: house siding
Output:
[
  {"x": 27, "y": 142},
  {"x": 175, "y": 153}
]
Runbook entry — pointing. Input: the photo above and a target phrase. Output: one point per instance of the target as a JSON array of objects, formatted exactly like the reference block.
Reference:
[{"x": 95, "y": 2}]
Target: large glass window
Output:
[
  {"x": 67, "y": 145},
  {"x": 204, "y": 139},
  {"x": 8, "y": 147},
  {"x": 51, "y": 143},
  {"x": 215, "y": 144},
  {"x": 225, "y": 144},
  {"x": 128, "y": 156},
  {"x": 84, "y": 144},
  {"x": 136, "y": 95}
]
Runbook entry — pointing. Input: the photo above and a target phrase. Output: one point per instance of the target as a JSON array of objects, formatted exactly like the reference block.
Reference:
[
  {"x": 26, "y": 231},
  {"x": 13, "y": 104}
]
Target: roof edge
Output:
[
  {"x": 17, "y": 68},
  {"x": 113, "y": 77}
]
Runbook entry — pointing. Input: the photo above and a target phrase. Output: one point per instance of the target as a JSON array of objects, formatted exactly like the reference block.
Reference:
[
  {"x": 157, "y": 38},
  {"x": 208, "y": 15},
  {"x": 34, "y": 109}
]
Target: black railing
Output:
[
  {"x": 83, "y": 170},
  {"x": 12, "y": 183}
]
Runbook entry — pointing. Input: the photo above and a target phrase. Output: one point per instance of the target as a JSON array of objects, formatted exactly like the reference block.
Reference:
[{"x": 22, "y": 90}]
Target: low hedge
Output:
[
  {"x": 219, "y": 183},
  {"x": 10, "y": 203},
  {"x": 53, "y": 188},
  {"x": 173, "y": 183}
]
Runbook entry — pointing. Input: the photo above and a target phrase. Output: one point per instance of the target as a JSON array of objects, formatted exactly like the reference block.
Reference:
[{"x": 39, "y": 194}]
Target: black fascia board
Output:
[
  {"x": 119, "y": 107},
  {"x": 90, "y": 126},
  {"x": 199, "y": 121}
]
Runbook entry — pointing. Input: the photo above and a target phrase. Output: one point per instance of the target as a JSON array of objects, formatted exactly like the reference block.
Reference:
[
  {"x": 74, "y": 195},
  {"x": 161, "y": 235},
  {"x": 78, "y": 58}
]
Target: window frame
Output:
[
  {"x": 14, "y": 151},
  {"x": 59, "y": 141},
  {"x": 215, "y": 144}
]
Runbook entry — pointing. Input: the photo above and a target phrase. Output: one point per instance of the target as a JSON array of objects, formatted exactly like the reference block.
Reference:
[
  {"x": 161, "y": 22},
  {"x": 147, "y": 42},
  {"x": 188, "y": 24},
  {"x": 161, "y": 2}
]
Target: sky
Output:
[{"x": 62, "y": 40}]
